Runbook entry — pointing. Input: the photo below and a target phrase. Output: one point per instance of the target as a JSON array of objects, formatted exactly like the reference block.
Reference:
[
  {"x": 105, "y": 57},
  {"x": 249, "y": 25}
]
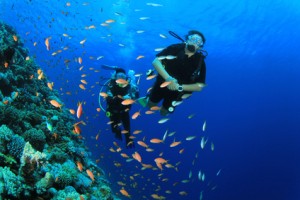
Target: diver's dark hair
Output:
[
  {"x": 120, "y": 70},
  {"x": 193, "y": 32}
]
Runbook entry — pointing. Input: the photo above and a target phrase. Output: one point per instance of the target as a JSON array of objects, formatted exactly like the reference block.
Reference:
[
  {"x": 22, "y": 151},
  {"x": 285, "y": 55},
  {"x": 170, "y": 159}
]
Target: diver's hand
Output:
[
  {"x": 173, "y": 86},
  {"x": 127, "y": 96}
]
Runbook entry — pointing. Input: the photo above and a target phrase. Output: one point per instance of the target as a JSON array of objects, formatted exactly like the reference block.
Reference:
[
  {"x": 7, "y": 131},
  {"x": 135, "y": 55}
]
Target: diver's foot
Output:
[
  {"x": 129, "y": 141},
  {"x": 164, "y": 112},
  {"x": 143, "y": 101},
  {"x": 118, "y": 135},
  {"x": 151, "y": 104},
  {"x": 117, "y": 132}
]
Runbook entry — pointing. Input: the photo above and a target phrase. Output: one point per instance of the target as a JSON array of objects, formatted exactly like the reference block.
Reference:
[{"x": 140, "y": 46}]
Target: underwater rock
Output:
[{"x": 38, "y": 148}]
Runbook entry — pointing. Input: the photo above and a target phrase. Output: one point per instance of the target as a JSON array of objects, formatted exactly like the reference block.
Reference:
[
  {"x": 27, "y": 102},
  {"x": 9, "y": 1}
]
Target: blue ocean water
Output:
[{"x": 251, "y": 102}]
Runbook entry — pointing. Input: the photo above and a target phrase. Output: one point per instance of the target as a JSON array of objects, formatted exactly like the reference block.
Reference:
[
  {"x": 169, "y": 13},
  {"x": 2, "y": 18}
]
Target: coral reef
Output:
[{"x": 39, "y": 152}]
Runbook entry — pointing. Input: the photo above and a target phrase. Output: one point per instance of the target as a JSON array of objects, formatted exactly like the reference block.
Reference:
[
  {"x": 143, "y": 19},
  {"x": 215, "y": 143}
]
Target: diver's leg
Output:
[
  {"x": 115, "y": 127},
  {"x": 156, "y": 95},
  {"x": 167, "y": 105},
  {"x": 126, "y": 125}
]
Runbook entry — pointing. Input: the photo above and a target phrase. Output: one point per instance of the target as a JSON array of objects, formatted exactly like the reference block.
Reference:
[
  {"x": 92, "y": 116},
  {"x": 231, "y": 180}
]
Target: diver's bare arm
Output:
[
  {"x": 195, "y": 87},
  {"x": 161, "y": 69}
]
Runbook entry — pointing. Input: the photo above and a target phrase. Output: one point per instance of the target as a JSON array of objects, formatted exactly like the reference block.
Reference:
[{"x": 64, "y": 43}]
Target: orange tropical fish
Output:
[
  {"x": 181, "y": 151},
  {"x": 127, "y": 102},
  {"x": 148, "y": 166},
  {"x": 98, "y": 109},
  {"x": 149, "y": 150},
  {"x": 50, "y": 85},
  {"x": 79, "y": 166},
  {"x": 6, "y": 64},
  {"x": 121, "y": 183},
  {"x": 124, "y": 155},
  {"x": 137, "y": 131},
  {"x": 47, "y": 43},
  {"x": 82, "y": 87},
  {"x": 159, "y": 165},
  {"x": 5, "y": 102},
  {"x": 151, "y": 77},
  {"x": 91, "y": 26},
  {"x": 165, "y": 84},
  {"x": 148, "y": 112},
  {"x": 122, "y": 81},
  {"x": 15, "y": 38},
  {"x": 79, "y": 60},
  {"x": 109, "y": 21},
  {"x": 55, "y": 103},
  {"x": 139, "y": 57},
  {"x": 156, "y": 196},
  {"x": 155, "y": 108},
  {"x": 160, "y": 160},
  {"x": 143, "y": 144},
  {"x": 137, "y": 156},
  {"x": 124, "y": 192},
  {"x": 77, "y": 129},
  {"x": 116, "y": 144},
  {"x": 174, "y": 144},
  {"x": 156, "y": 141},
  {"x": 79, "y": 110},
  {"x": 90, "y": 174},
  {"x": 97, "y": 136},
  {"x": 136, "y": 114},
  {"x": 83, "y": 81},
  {"x": 41, "y": 76},
  {"x": 72, "y": 111},
  {"x": 55, "y": 135}
]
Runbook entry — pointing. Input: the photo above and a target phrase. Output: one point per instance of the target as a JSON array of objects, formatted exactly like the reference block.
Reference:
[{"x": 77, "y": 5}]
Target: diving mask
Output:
[{"x": 194, "y": 42}]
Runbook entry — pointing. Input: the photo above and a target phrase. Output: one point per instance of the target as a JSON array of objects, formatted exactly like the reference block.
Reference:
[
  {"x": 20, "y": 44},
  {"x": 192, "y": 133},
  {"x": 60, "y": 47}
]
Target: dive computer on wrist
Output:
[{"x": 180, "y": 88}]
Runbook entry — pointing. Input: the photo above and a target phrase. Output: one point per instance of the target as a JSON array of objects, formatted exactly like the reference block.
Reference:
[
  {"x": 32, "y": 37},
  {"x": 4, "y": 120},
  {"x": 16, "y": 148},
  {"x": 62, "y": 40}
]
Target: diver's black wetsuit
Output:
[
  {"x": 119, "y": 114},
  {"x": 182, "y": 69}
]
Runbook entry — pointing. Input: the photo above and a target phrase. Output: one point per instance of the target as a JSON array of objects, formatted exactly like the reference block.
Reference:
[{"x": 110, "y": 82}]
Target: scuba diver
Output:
[
  {"x": 119, "y": 88},
  {"x": 181, "y": 68}
]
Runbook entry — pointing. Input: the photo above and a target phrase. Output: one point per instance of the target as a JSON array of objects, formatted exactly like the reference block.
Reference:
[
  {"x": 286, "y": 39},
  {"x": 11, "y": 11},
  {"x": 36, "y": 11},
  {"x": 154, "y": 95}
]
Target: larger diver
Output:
[{"x": 183, "y": 68}]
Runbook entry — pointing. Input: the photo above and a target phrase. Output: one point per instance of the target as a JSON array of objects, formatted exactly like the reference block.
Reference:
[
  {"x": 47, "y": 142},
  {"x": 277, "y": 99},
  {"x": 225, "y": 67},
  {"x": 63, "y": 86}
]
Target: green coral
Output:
[
  {"x": 66, "y": 176},
  {"x": 8, "y": 159},
  {"x": 5, "y": 135},
  {"x": 58, "y": 155},
  {"x": 9, "y": 183},
  {"x": 68, "y": 193},
  {"x": 45, "y": 183},
  {"x": 36, "y": 138}
]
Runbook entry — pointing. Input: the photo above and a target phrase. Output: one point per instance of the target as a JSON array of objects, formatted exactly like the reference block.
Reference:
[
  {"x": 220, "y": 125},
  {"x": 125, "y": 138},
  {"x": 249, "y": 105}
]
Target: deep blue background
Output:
[{"x": 251, "y": 103}]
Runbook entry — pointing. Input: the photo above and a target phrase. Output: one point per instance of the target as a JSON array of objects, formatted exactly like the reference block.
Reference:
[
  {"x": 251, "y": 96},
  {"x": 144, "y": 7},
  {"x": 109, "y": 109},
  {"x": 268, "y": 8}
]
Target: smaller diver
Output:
[{"x": 119, "y": 88}]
